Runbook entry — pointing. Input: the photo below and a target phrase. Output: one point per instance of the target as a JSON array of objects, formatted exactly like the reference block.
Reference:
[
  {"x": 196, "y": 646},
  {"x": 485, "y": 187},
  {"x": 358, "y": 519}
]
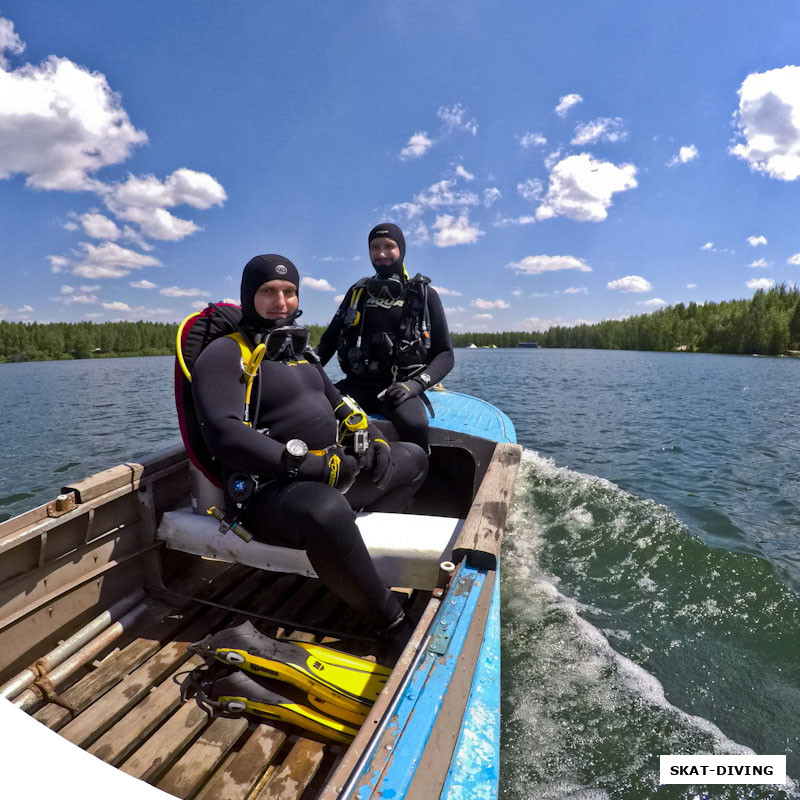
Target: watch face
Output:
[
  {"x": 425, "y": 377},
  {"x": 296, "y": 448}
]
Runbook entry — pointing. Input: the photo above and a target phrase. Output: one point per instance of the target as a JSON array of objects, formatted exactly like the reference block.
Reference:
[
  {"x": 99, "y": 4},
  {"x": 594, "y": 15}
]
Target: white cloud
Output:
[
  {"x": 71, "y": 297},
  {"x": 58, "y": 263},
  {"x": 317, "y": 284},
  {"x": 491, "y": 196},
  {"x": 708, "y": 246},
  {"x": 442, "y": 194},
  {"x": 653, "y": 301},
  {"x": 517, "y": 292},
  {"x": 768, "y": 122},
  {"x": 176, "y": 291},
  {"x": 504, "y": 222},
  {"x": 581, "y": 188},
  {"x": 117, "y": 306},
  {"x": 542, "y": 324},
  {"x": 144, "y": 201},
  {"x": 143, "y": 284},
  {"x": 411, "y": 210},
  {"x": 462, "y": 173},
  {"x": 479, "y": 302},
  {"x": 455, "y": 119},
  {"x": 576, "y": 290},
  {"x": 759, "y": 263},
  {"x": 684, "y": 156},
  {"x": 446, "y": 292},
  {"x": 417, "y": 146},
  {"x": 109, "y": 260},
  {"x": 566, "y": 102},
  {"x": 604, "y": 129},
  {"x": 198, "y": 305},
  {"x": 59, "y": 122},
  {"x": 755, "y": 241},
  {"x": 532, "y": 140},
  {"x": 24, "y": 309},
  {"x": 691, "y": 285},
  {"x": 630, "y": 283},
  {"x": 99, "y": 226},
  {"x": 536, "y": 265},
  {"x": 483, "y": 316},
  {"x": 453, "y": 309},
  {"x": 338, "y": 298},
  {"x": 795, "y": 259},
  {"x": 451, "y": 231},
  {"x": 760, "y": 283},
  {"x": 9, "y": 41},
  {"x": 531, "y": 189}
]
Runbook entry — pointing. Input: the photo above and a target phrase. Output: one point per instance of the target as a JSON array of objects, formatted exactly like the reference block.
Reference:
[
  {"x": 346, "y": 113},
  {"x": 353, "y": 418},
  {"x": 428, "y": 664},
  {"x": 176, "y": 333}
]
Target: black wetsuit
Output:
[
  {"x": 410, "y": 417},
  {"x": 297, "y": 401}
]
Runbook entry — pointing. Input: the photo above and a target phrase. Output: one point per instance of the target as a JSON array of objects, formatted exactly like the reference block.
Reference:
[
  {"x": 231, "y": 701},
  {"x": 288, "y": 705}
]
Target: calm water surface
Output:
[{"x": 651, "y": 574}]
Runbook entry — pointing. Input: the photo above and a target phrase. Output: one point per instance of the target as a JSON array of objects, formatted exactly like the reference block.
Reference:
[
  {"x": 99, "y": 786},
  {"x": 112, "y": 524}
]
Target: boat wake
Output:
[{"x": 620, "y": 643}]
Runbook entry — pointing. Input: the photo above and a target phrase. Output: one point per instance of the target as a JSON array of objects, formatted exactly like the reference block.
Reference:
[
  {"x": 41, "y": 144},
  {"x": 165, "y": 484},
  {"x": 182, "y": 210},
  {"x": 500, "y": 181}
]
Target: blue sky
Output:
[{"x": 551, "y": 163}]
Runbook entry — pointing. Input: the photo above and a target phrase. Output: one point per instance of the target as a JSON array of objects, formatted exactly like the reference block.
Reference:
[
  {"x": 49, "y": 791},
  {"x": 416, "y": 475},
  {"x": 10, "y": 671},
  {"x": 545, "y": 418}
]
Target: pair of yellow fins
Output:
[{"x": 339, "y": 688}]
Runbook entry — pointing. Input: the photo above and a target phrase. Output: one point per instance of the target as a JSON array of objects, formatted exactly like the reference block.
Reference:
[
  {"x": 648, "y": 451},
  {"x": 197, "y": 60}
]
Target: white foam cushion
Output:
[{"x": 406, "y": 548}]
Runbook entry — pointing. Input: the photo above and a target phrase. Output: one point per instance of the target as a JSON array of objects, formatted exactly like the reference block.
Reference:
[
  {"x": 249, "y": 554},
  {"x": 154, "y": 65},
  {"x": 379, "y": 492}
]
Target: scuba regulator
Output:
[{"x": 240, "y": 488}]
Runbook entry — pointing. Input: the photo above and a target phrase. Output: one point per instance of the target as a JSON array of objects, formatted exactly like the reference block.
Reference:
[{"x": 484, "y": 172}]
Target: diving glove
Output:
[
  {"x": 332, "y": 467},
  {"x": 378, "y": 459},
  {"x": 401, "y": 391}
]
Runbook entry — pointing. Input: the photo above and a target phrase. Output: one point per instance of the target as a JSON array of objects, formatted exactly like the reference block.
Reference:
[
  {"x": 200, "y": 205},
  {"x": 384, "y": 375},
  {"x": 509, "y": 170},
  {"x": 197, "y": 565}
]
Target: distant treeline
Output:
[
  {"x": 32, "y": 341},
  {"x": 769, "y": 324}
]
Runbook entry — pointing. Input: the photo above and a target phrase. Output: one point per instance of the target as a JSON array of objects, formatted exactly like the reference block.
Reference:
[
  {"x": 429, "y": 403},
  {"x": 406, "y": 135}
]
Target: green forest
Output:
[{"x": 768, "y": 324}]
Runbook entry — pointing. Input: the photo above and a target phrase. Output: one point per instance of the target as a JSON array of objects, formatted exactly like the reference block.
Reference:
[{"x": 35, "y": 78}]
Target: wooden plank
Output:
[
  {"x": 296, "y": 772},
  {"x": 102, "y": 483},
  {"x": 161, "y": 750},
  {"x": 482, "y": 533},
  {"x": 202, "y": 758},
  {"x": 431, "y": 772},
  {"x": 340, "y": 776},
  {"x": 236, "y": 778},
  {"x": 129, "y": 732}
]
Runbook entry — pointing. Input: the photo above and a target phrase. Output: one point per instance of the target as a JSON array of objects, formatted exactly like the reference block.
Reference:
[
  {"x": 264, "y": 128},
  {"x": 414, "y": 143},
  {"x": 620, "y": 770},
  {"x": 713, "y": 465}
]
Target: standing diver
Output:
[
  {"x": 391, "y": 336},
  {"x": 287, "y": 445}
]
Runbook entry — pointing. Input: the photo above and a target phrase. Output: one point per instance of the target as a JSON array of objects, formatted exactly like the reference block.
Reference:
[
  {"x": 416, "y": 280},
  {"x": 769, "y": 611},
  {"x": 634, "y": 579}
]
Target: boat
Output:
[
  {"x": 103, "y": 588},
  {"x": 529, "y": 344}
]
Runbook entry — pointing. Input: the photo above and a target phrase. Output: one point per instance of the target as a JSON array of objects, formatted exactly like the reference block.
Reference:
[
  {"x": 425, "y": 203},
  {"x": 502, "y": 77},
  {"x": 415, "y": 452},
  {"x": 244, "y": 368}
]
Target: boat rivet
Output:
[{"x": 388, "y": 747}]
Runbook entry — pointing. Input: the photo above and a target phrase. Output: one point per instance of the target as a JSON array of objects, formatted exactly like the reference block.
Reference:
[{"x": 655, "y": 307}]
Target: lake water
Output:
[{"x": 651, "y": 565}]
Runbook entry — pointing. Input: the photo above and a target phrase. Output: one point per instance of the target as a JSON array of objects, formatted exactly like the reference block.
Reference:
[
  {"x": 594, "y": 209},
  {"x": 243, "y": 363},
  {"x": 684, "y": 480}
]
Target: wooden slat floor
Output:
[{"x": 130, "y": 712}]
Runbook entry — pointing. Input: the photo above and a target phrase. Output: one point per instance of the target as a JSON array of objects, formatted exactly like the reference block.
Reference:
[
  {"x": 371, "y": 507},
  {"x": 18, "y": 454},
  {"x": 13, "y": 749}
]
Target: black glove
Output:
[
  {"x": 378, "y": 460},
  {"x": 348, "y": 472},
  {"x": 401, "y": 391},
  {"x": 334, "y": 468}
]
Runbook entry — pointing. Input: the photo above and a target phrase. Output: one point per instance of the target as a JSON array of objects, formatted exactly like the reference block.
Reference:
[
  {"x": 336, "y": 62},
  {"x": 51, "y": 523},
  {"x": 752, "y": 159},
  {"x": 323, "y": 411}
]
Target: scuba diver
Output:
[
  {"x": 287, "y": 478},
  {"x": 391, "y": 337}
]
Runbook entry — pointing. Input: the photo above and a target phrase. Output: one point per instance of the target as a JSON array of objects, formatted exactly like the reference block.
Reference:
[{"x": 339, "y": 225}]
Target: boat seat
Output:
[{"x": 407, "y": 549}]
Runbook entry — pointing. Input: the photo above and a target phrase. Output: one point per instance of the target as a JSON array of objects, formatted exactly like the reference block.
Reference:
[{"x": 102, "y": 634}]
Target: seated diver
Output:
[
  {"x": 391, "y": 336},
  {"x": 306, "y": 484}
]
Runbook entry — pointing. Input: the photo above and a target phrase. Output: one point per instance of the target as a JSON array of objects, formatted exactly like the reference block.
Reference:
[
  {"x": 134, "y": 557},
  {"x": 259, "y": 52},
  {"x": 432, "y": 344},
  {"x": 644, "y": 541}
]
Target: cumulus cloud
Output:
[
  {"x": 483, "y": 316},
  {"x": 576, "y": 290},
  {"x": 708, "y": 246},
  {"x": 630, "y": 283},
  {"x": 9, "y": 41},
  {"x": 504, "y": 222},
  {"x": 451, "y": 231},
  {"x": 317, "y": 284},
  {"x": 604, "y": 129},
  {"x": 691, "y": 285},
  {"x": 653, "y": 302},
  {"x": 479, "y": 302},
  {"x": 99, "y": 226},
  {"x": 536, "y": 265},
  {"x": 453, "y": 309},
  {"x": 109, "y": 260},
  {"x": 176, "y": 291},
  {"x": 532, "y": 140},
  {"x": 759, "y": 263},
  {"x": 59, "y": 122},
  {"x": 417, "y": 146},
  {"x": 566, "y": 102},
  {"x": 446, "y": 292},
  {"x": 491, "y": 196},
  {"x": 443, "y": 195},
  {"x": 768, "y": 123},
  {"x": 582, "y": 187},
  {"x": 760, "y": 283},
  {"x": 117, "y": 306},
  {"x": 531, "y": 189},
  {"x": 795, "y": 259},
  {"x": 755, "y": 241},
  {"x": 455, "y": 118},
  {"x": 462, "y": 173},
  {"x": 684, "y": 156},
  {"x": 143, "y": 284}
]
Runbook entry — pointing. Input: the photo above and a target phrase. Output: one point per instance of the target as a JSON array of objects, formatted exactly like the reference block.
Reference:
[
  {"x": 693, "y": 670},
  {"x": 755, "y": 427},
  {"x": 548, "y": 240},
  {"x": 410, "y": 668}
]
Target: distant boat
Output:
[
  {"x": 529, "y": 344},
  {"x": 472, "y": 346}
]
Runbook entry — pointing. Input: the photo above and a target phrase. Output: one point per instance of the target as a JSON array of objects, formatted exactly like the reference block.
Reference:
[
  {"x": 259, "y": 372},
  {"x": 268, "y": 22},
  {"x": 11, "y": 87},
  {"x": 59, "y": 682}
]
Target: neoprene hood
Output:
[
  {"x": 390, "y": 231},
  {"x": 258, "y": 270}
]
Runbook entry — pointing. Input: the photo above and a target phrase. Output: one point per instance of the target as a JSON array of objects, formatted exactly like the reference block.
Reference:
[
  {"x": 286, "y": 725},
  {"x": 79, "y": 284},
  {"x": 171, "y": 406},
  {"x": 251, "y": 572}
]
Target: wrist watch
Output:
[{"x": 296, "y": 450}]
